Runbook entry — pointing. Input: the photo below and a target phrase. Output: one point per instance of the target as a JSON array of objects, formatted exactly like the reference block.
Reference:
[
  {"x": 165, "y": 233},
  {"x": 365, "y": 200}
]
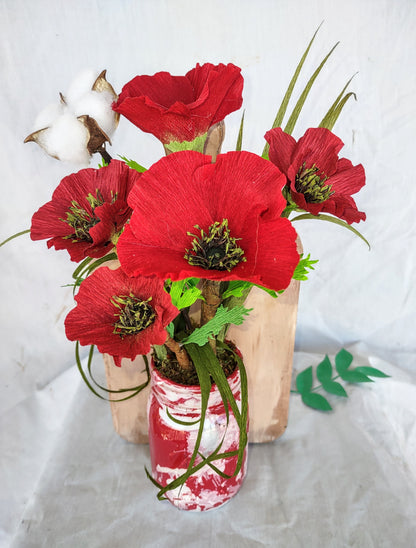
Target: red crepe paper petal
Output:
[
  {"x": 185, "y": 189},
  {"x": 180, "y": 108},
  {"x": 319, "y": 148},
  {"x": 113, "y": 183},
  {"x": 92, "y": 320}
]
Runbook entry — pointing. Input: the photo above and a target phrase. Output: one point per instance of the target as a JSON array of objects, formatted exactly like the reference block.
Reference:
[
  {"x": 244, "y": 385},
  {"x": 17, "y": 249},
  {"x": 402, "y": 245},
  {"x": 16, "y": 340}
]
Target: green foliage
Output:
[
  {"x": 223, "y": 316},
  {"x": 240, "y": 134},
  {"x": 15, "y": 236},
  {"x": 330, "y": 219},
  {"x": 133, "y": 391},
  {"x": 133, "y": 165},
  {"x": 184, "y": 292},
  {"x": 335, "y": 110},
  {"x": 325, "y": 375},
  {"x": 285, "y": 102},
  {"x": 301, "y": 101},
  {"x": 87, "y": 266},
  {"x": 304, "y": 266}
]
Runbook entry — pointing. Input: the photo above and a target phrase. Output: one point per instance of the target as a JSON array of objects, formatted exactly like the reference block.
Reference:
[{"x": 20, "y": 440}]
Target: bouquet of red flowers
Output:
[{"x": 169, "y": 254}]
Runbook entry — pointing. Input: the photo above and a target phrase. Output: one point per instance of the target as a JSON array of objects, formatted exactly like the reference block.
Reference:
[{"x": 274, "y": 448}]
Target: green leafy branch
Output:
[
  {"x": 325, "y": 375},
  {"x": 223, "y": 316}
]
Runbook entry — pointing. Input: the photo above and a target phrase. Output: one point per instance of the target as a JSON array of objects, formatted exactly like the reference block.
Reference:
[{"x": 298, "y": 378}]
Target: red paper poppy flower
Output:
[
  {"x": 87, "y": 210},
  {"x": 316, "y": 178},
  {"x": 122, "y": 316},
  {"x": 179, "y": 108},
  {"x": 219, "y": 221}
]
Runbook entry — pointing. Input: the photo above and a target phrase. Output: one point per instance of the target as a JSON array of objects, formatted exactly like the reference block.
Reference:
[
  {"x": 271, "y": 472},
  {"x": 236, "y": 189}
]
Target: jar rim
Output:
[{"x": 197, "y": 387}]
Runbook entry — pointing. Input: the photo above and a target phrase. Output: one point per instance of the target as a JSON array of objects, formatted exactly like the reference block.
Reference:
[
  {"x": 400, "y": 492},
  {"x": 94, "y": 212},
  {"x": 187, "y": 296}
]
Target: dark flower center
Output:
[
  {"x": 133, "y": 315},
  {"x": 216, "y": 250},
  {"x": 311, "y": 183},
  {"x": 82, "y": 220}
]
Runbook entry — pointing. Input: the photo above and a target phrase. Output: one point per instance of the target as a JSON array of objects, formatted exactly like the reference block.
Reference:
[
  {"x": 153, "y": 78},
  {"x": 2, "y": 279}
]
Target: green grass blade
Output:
[
  {"x": 283, "y": 107},
  {"x": 15, "y": 236},
  {"x": 327, "y": 120},
  {"x": 301, "y": 101},
  {"x": 330, "y": 219},
  {"x": 240, "y": 134}
]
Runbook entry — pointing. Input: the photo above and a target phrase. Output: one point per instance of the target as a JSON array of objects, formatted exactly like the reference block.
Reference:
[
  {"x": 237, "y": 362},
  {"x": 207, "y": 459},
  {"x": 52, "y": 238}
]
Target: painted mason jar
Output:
[{"x": 172, "y": 444}]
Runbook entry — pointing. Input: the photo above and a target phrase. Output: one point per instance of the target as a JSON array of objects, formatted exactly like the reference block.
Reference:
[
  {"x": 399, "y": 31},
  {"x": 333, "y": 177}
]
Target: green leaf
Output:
[
  {"x": 133, "y": 165},
  {"x": 330, "y": 219},
  {"x": 354, "y": 376},
  {"x": 170, "y": 329},
  {"x": 236, "y": 289},
  {"x": 304, "y": 381},
  {"x": 283, "y": 107},
  {"x": 371, "y": 371},
  {"x": 303, "y": 267},
  {"x": 270, "y": 292},
  {"x": 222, "y": 317},
  {"x": 240, "y": 134},
  {"x": 324, "y": 371},
  {"x": 343, "y": 360},
  {"x": 184, "y": 292},
  {"x": 335, "y": 388},
  {"x": 316, "y": 401},
  {"x": 301, "y": 101}
]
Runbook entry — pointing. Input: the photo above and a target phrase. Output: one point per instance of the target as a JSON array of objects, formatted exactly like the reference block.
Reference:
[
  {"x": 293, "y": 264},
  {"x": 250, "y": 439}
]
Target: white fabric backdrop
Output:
[{"x": 354, "y": 295}]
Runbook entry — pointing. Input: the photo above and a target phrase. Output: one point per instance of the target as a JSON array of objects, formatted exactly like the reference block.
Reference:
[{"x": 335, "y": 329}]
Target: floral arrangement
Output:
[{"x": 167, "y": 255}]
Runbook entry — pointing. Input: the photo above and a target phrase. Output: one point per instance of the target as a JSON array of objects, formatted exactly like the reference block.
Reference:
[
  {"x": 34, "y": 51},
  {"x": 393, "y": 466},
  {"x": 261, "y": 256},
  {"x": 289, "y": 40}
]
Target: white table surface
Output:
[{"x": 347, "y": 478}]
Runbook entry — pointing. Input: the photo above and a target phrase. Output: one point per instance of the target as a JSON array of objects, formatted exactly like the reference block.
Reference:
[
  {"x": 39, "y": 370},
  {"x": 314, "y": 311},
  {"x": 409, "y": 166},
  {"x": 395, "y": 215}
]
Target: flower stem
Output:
[
  {"x": 212, "y": 299},
  {"x": 180, "y": 353}
]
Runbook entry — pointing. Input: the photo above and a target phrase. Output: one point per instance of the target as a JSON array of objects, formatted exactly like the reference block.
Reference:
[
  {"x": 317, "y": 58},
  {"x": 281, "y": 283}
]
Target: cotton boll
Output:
[
  {"x": 57, "y": 129},
  {"x": 98, "y": 106},
  {"x": 48, "y": 115},
  {"x": 80, "y": 85},
  {"x": 67, "y": 140}
]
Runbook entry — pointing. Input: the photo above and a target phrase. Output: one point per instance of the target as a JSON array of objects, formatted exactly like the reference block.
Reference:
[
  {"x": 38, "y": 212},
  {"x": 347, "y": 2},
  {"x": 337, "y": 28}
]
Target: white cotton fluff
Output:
[
  {"x": 48, "y": 115},
  {"x": 67, "y": 139},
  {"x": 98, "y": 106},
  {"x": 81, "y": 84}
]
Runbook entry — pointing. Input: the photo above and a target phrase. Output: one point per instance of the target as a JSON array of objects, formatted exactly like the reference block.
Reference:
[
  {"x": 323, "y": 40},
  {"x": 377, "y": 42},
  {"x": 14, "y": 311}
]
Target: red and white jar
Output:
[{"x": 172, "y": 444}]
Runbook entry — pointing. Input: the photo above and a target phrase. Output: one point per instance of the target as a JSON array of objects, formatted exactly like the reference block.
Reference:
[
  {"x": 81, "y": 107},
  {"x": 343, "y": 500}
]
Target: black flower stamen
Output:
[
  {"x": 133, "y": 315},
  {"x": 216, "y": 250},
  {"x": 82, "y": 220},
  {"x": 311, "y": 183}
]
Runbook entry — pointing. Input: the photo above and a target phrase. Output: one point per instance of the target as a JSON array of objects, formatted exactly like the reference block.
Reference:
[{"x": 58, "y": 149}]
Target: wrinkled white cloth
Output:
[{"x": 347, "y": 478}]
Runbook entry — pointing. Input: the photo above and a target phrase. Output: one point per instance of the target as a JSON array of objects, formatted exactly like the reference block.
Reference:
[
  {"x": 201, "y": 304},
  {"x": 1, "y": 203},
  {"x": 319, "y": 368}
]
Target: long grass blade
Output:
[
  {"x": 15, "y": 236},
  {"x": 301, "y": 101},
  {"x": 240, "y": 134},
  {"x": 283, "y": 107},
  {"x": 326, "y": 120},
  {"x": 334, "y": 220}
]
